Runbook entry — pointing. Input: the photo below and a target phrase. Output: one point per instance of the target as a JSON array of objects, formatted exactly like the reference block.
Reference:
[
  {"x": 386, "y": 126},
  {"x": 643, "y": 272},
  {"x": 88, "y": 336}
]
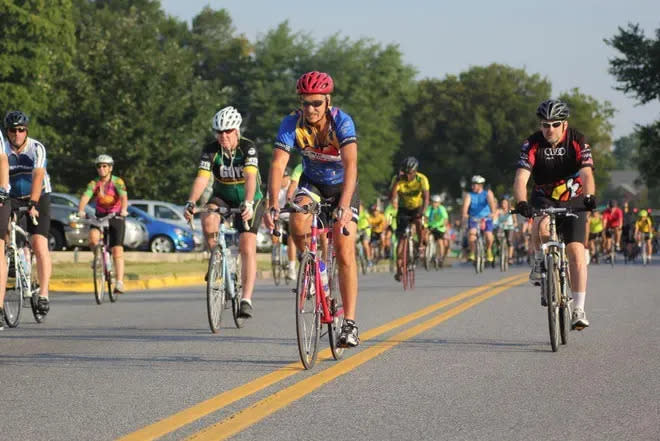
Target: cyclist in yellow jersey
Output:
[
  {"x": 644, "y": 231},
  {"x": 378, "y": 224},
  {"x": 596, "y": 227},
  {"x": 364, "y": 232},
  {"x": 410, "y": 196}
]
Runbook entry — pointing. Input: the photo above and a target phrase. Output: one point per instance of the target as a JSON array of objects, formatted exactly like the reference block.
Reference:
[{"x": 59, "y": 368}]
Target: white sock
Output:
[
  {"x": 578, "y": 299},
  {"x": 292, "y": 263},
  {"x": 248, "y": 301}
]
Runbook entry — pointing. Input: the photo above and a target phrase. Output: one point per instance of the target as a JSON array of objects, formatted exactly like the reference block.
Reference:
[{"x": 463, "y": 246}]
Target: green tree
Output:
[
  {"x": 473, "y": 123},
  {"x": 36, "y": 49},
  {"x": 134, "y": 96},
  {"x": 637, "y": 71},
  {"x": 625, "y": 151},
  {"x": 593, "y": 119}
]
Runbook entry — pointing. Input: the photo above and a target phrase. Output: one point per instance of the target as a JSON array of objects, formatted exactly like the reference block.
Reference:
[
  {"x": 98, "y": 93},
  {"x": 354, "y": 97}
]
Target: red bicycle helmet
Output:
[{"x": 315, "y": 82}]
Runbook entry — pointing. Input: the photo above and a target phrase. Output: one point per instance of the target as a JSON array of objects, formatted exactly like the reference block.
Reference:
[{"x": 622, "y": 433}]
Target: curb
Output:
[{"x": 173, "y": 281}]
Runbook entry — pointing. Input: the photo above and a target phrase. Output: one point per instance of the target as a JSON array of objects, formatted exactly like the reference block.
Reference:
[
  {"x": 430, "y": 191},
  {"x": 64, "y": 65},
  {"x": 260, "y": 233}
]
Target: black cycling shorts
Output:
[
  {"x": 331, "y": 194},
  {"x": 571, "y": 229},
  {"x": 437, "y": 234},
  {"x": 253, "y": 224},
  {"x": 375, "y": 237},
  {"x": 116, "y": 229},
  {"x": 43, "y": 221},
  {"x": 404, "y": 217}
]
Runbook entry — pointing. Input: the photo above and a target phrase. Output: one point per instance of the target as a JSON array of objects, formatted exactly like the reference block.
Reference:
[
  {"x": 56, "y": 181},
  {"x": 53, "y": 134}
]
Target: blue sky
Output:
[{"x": 561, "y": 40}]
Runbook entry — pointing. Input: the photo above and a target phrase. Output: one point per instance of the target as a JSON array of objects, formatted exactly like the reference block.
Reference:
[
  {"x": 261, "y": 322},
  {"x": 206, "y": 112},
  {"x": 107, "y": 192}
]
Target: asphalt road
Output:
[{"x": 473, "y": 367}]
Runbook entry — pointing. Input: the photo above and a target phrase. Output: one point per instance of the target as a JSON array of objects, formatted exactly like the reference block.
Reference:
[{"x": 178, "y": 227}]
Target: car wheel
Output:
[
  {"x": 55, "y": 239},
  {"x": 161, "y": 244}
]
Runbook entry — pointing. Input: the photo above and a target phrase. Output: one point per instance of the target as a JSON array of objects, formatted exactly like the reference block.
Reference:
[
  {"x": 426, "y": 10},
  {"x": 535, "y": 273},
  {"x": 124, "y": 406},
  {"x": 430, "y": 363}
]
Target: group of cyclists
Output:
[{"x": 556, "y": 157}]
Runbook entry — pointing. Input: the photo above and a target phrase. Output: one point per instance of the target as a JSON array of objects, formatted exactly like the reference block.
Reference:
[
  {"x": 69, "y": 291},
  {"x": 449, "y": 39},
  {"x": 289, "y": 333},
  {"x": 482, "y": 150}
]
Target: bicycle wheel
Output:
[
  {"x": 13, "y": 303},
  {"x": 334, "y": 328},
  {"x": 34, "y": 290},
  {"x": 215, "y": 290},
  {"x": 429, "y": 253},
  {"x": 284, "y": 264},
  {"x": 362, "y": 258},
  {"x": 504, "y": 255},
  {"x": 552, "y": 296},
  {"x": 275, "y": 264},
  {"x": 411, "y": 263},
  {"x": 479, "y": 256},
  {"x": 308, "y": 316},
  {"x": 99, "y": 274},
  {"x": 110, "y": 280},
  {"x": 238, "y": 293},
  {"x": 404, "y": 267}
]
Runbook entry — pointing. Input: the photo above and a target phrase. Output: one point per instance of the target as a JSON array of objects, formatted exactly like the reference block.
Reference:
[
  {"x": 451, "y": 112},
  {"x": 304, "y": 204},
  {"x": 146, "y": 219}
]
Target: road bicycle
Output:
[
  {"x": 555, "y": 277},
  {"x": 408, "y": 265},
  {"x": 102, "y": 268},
  {"x": 279, "y": 260},
  {"x": 315, "y": 301},
  {"x": 22, "y": 287},
  {"x": 361, "y": 255},
  {"x": 503, "y": 245},
  {"x": 223, "y": 278},
  {"x": 480, "y": 246},
  {"x": 643, "y": 247}
]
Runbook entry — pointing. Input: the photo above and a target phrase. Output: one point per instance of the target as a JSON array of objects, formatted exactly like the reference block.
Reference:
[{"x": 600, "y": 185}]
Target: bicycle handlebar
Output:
[
  {"x": 25, "y": 210},
  {"x": 94, "y": 220},
  {"x": 313, "y": 208},
  {"x": 562, "y": 211},
  {"x": 222, "y": 211}
]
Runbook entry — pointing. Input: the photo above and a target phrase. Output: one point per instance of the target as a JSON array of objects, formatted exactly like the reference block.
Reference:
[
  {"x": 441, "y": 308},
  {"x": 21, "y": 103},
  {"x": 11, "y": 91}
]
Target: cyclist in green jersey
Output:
[
  {"x": 437, "y": 219},
  {"x": 233, "y": 162},
  {"x": 390, "y": 219},
  {"x": 364, "y": 231}
]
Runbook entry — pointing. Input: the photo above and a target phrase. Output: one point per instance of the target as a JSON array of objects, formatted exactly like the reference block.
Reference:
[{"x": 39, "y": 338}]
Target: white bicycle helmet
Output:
[
  {"x": 478, "y": 179},
  {"x": 226, "y": 119},
  {"x": 436, "y": 198},
  {"x": 104, "y": 159}
]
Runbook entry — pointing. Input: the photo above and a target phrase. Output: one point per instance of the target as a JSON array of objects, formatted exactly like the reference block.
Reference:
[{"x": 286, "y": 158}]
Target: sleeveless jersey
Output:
[{"x": 479, "y": 204}]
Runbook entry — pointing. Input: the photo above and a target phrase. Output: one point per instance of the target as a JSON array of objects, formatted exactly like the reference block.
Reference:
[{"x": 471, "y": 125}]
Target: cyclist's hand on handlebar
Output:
[
  {"x": 344, "y": 216},
  {"x": 524, "y": 209},
  {"x": 81, "y": 215},
  {"x": 590, "y": 202},
  {"x": 4, "y": 195},
  {"x": 270, "y": 217},
  {"x": 123, "y": 213},
  {"x": 247, "y": 210},
  {"x": 189, "y": 210}
]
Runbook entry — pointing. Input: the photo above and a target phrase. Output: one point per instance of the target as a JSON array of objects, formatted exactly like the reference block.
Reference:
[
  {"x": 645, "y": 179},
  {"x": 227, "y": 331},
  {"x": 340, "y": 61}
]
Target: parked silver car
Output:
[
  {"x": 168, "y": 212},
  {"x": 65, "y": 234}
]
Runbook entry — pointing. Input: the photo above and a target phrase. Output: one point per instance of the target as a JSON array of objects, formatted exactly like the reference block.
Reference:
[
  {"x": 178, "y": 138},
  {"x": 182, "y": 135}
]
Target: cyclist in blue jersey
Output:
[
  {"x": 30, "y": 187},
  {"x": 479, "y": 203},
  {"x": 5, "y": 208},
  {"x": 325, "y": 137}
]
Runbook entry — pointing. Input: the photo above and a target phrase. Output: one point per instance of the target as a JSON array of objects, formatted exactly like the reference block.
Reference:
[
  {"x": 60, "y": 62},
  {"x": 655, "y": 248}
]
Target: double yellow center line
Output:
[{"x": 234, "y": 424}]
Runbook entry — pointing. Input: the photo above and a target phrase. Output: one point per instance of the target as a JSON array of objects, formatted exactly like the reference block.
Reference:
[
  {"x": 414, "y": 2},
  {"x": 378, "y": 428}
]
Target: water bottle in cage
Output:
[{"x": 324, "y": 277}]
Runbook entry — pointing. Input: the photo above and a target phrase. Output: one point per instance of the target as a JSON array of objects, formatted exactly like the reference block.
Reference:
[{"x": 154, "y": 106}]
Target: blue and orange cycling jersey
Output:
[{"x": 322, "y": 162}]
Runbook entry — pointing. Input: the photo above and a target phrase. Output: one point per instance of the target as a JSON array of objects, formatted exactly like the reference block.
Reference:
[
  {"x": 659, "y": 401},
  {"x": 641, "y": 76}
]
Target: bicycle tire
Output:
[
  {"x": 98, "y": 274},
  {"x": 308, "y": 316},
  {"x": 504, "y": 255},
  {"x": 552, "y": 297},
  {"x": 428, "y": 254},
  {"x": 284, "y": 257},
  {"x": 334, "y": 328},
  {"x": 39, "y": 317},
  {"x": 411, "y": 264},
  {"x": 110, "y": 278},
  {"x": 238, "y": 293},
  {"x": 478, "y": 258},
  {"x": 215, "y": 290},
  {"x": 13, "y": 303},
  {"x": 275, "y": 265},
  {"x": 404, "y": 268},
  {"x": 362, "y": 258}
]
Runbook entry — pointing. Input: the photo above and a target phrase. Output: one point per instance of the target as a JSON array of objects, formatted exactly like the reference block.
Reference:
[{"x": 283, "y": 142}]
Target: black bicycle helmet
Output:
[
  {"x": 553, "y": 110},
  {"x": 409, "y": 164},
  {"x": 16, "y": 118}
]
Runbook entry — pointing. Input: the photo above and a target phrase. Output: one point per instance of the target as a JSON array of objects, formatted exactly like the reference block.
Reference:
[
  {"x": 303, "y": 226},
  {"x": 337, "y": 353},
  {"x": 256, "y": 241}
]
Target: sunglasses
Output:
[
  {"x": 17, "y": 129},
  {"x": 547, "y": 125},
  {"x": 220, "y": 132},
  {"x": 315, "y": 103}
]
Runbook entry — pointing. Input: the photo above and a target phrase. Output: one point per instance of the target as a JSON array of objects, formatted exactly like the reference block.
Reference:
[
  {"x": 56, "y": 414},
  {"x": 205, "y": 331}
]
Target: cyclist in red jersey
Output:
[
  {"x": 560, "y": 161},
  {"x": 613, "y": 222},
  {"x": 111, "y": 197}
]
